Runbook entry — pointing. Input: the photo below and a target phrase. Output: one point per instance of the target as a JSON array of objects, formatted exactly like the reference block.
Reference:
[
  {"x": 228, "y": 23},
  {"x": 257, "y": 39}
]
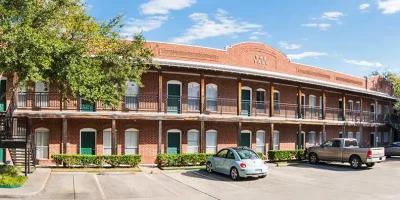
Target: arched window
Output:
[
  {"x": 193, "y": 96},
  {"x": 261, "y": 105},
  {"x": 107, "y": 141},
  {"x": 358, "y": 108},
  {"x": 131, "y": 95},
  {"x": 131, "y": 141},
  {"x": 372, "y": 111},
  {"x": 350, "y": 135},
  {"x": 312, "y": 101},
  {"x": 41, "y": 94},
  {"x": 42, "y": 143},
  {"x": 260, "y": 141},
  {"x": 211, "y": 97},
  {"x": 22, "y": 97},
  {"x": 358, "y": 137},
  {"x": 193, "y": 141},
  {"x": 276, "y": 140},
  {"x": 312, "y": 138},
  {"x": 211, "y": 141},
  {"x": 277, "y": 101}
]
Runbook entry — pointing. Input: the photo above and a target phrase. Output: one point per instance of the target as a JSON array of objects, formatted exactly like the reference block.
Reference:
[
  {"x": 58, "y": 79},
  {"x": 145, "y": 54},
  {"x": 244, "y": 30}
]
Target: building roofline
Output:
[
  {"x": 327, "y": 70},
  {"x": 242, "y": 70}
]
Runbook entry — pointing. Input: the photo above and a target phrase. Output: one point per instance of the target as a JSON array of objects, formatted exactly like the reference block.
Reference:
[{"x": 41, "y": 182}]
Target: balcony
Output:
[{"x": 181, "y": 105}]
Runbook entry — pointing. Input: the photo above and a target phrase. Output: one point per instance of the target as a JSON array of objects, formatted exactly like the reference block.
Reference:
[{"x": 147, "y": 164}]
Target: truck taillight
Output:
[{"x": 369, "y": 154}]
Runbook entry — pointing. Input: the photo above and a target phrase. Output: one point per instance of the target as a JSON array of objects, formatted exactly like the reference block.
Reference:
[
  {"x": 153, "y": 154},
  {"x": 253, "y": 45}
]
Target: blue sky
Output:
[{"x": 350, "y": 36}]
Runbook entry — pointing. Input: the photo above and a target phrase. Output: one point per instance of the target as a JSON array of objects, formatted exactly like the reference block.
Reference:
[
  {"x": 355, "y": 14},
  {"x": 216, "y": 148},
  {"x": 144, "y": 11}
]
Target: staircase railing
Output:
[{"x": 8, "y": 121}]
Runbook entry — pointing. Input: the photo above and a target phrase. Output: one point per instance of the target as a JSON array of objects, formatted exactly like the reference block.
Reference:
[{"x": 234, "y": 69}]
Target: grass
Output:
[
  {"x": 183, "y": 168},
  {"x": 96, "y": 170}
]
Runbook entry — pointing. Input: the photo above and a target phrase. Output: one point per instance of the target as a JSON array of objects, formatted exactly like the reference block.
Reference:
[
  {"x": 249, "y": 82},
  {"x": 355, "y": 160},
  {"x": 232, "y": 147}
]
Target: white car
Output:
[{"x": 238, "y": 163}]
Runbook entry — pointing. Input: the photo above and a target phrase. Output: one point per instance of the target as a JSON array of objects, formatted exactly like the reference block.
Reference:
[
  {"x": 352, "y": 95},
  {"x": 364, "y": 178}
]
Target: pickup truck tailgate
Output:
[{"x": 377, "y": 152}]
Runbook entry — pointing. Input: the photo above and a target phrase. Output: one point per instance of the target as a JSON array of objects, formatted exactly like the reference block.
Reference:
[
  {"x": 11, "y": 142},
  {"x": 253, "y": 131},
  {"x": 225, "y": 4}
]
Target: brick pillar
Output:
[
  {"x": 159, "y": 137},
  {"x": 64, "y": 136},
  {"x": 344, "y": 108},
  {"x": 202, "y": 138},
  {"x": 299, "y": 104},
  {"x": 376, "y": 111},
  {"x": 114, "y": 142},
  {"x": 361, "y": 109},
  {"x": 239, "y": 133},
  {"x": 160, "y": 94},
  {"x": 299, "y": 137},
  {"x": 323, "y": 133},
  {"x": 361, "y": 136},
  {"x": 239, "y": 97},
  {"x": 323, "y": 106},
  {"x": 271, "y": 139},
  {"x": 271, "y": 100}
]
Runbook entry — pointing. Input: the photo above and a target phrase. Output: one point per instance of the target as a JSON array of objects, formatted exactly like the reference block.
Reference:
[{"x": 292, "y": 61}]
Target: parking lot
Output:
[{"x": 304, "y": 181}]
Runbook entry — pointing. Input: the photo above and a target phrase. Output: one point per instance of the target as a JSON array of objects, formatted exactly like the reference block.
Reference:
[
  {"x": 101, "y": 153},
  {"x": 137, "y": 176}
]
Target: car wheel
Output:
[
  {"x": 370, "y": 164},
  {"x": 235, "y": 174},
  {"x": 209, "y": 167},
  {"x": 262, "y": 176},
  {"x": 355, "y": 162},
  {"x": 313, "y": 158}
]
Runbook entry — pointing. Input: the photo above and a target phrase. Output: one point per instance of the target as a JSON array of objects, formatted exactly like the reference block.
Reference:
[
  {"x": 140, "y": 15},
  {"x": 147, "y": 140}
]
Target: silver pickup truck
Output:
[{"x": 346, "y": 150}]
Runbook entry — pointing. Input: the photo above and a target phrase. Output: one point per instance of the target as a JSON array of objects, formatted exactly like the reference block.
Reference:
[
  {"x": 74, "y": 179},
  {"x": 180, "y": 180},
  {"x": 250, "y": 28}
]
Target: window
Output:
[
  {"x": 211, "y": 141},
  {"x": 350, "y": 135},
  {"x": 358, "y": 108},
  {"x": 312, "y": 138},
  {"x": 336, "y": 143},
  {"x": 193, "y": 96},
  {"x": 379, "y": 109},
  {"x": 131, "y": 95},
  {"x": 41, "y": 94},
  {"x": 230, "y": 155},
  {"x": 320, "y": 138},
  {"x": 22, "y": 97},
  {"x": 327, "y": 143},
  {"x": 260, "y": 101},
  {"x": 372, "y": 110},
  {"x": 222, "y": 153},
  {"x": 350, "y": 108},
  {"x": 350, "y": 143},
  {"x": 193, "y": 141},
  {"x": 42, "y": 143},
  {"x": 246, "y": 154},
  {"x": 131, "y": 141},
  {"x": 358, "y": 137},
  {"x": 312, "y": 101},
  {"x": 260, "y": 141},
  {"x": 211, "y": 97},
  {"x": 386, "y": 111},
  {"x": 107, "y": 142},
  {"x": 277, "y": 100},
  {"x": 340, "y": 135},
  {"x": 276, "y": 140}
]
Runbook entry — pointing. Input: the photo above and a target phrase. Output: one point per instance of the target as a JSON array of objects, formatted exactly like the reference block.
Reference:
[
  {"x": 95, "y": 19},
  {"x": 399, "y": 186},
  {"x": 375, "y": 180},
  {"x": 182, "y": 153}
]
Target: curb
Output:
[{"x": 18, "y": 192}]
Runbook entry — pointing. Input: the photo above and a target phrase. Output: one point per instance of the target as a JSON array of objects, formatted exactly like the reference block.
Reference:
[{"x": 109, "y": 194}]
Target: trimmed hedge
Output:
[
  {"x": 196, "y": 159},
  {"x": 286, "y": 155},
  {"x": 69, "y": 160}
]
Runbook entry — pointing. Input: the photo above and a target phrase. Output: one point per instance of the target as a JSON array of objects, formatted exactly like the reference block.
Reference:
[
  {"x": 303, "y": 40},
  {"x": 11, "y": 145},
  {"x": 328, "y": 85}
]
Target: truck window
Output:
[
  {"x": 336, "y": 143},
  {"x": 327, "y": 144},
  {"x": 350, "y": 143}
]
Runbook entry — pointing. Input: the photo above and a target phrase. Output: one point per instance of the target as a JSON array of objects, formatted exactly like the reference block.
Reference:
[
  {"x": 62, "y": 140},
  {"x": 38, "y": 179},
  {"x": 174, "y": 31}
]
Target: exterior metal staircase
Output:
[
  {"x": 15, "y": 136},
  {"x": 394, "y": 123}
]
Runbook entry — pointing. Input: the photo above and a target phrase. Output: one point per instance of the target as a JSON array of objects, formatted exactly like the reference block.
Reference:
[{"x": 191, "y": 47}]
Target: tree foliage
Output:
[
  {"x": 57, "y": 42},
  {"x": 394, "y": 79}
]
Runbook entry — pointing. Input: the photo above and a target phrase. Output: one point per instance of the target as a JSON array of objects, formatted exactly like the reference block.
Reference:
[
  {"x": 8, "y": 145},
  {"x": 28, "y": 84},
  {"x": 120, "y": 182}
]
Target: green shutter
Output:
[{"x": 174, "y": 141}]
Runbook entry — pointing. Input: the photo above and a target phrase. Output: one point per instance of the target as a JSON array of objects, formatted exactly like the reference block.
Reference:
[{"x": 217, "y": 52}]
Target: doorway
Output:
[
  {"x": 174, "y": 97},
  {"x": 246, "y": 101},
  {"x": 174, "y": 142},
  {"x": 302, "y": 140},
  {"x": 88, "y": 142},
  {"x": 245, "y": 139}
]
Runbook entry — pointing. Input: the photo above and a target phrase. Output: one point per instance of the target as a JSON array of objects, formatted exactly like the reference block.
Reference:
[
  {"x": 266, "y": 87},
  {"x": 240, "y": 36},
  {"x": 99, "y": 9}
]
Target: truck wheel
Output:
[
  {"x": 355, "y": 162},
  {"x": 370, "y": 164},
  {"x": 313, "y": 158}
]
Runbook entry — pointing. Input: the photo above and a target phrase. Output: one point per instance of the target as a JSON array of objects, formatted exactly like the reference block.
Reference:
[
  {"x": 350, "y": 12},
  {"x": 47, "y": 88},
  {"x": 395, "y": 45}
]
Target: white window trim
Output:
[
  {"x": 216, "y": 140},
  {"x": 198, "y": 139},
  {"x": 131, "y": 130},
  {"x": 315, "y": 138},
  {"x": 95, "y": 139},
  {"x": 352, "y": 134},
  {"x": 180, "y": 139},
  {"x": 107, "y": 130},
  {"x": 279, "y": 140},
  {"x": 41, "y": 129}
]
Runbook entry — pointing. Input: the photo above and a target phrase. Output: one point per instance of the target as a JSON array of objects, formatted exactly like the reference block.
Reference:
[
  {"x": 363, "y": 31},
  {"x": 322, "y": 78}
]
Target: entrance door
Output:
[
  {"x": 87, "y": 106},
  {"x": 340, "y": 114},
  {"x": 372, "y": 110},
  {"x": 88, "y": 142},
  {"x": 174, "y": 143},
  {"x": 174, "y": 98},
  {"x": 302, "y": 141},
  {"x": 2, "y": 155},
  {"x": 302, "y": 106},
  {"x": 3, "y": 86},
  {"x": 245, "y": 140},
  {"x": 246, "y": 102}
]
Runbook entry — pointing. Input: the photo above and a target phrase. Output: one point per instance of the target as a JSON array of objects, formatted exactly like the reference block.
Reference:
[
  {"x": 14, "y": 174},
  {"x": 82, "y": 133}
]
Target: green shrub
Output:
[
  {"x": 114, "y": 160},
  {"x": 277, "y": 155},
  {"x": 196, "y": 159},
  {"x": 9, "y": 180},
  {"x": 261, "y": 155},
  {"x": 9, "y": 170}
]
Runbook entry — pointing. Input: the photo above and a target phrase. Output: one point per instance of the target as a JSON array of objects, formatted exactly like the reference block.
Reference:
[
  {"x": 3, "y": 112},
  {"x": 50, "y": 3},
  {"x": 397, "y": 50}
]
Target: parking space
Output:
[{"x": 305, "y": 181}]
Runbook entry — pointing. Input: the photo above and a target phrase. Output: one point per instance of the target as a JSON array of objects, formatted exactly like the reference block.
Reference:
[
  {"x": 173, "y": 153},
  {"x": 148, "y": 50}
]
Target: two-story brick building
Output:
[{"x": 203, "y": 99}]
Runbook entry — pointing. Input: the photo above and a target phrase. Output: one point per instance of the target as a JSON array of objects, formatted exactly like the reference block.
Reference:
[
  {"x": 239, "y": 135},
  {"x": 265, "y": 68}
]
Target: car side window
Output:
[
  {"x": 327, "y": 144},
  {"x": 222, "y": 153},
  {"x": 336, "y": 143},
  {"x": 230, "y": 155}
]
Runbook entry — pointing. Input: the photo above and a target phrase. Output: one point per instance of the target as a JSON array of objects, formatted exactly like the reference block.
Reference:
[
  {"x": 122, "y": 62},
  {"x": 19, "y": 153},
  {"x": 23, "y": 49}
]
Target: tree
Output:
[
  {"x": 57, "y": 42},
  {"x": 394, "y": 79}
]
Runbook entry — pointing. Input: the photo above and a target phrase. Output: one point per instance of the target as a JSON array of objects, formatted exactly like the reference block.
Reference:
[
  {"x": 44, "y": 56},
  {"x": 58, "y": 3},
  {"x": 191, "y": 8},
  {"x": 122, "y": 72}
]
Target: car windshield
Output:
[{"x": 246, "y": 154}]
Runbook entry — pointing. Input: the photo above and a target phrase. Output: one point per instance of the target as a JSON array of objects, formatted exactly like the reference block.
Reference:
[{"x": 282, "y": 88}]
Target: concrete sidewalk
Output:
[{"x": 33, "y": 186}]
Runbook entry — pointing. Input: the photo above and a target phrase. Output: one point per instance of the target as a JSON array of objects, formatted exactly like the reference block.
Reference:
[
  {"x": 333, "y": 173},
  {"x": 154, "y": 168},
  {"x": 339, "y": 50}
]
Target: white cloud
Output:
[
  {"x": 164, "y": 6},
  {"x": 257, "y": 34},
  {"x": 323, "y": 27},
  {"x": 285, "y": 45},
  {"x": 332, "y": 15},
  {"x": 389, "y": 6},
  {"x": 364, "y": 6},
  {"x": 137, "y": 25},
  {"x": 305, "y": 55},
  {"x": 205, "y": 27},
  {"x": 363, "y": 63}
]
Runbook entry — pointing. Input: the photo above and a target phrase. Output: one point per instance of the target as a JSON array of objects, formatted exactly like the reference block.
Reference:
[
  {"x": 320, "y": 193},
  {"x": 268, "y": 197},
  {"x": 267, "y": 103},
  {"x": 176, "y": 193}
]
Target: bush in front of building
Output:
[
  {"x": 10, "y": 177},
  {"x": 277, "y": 155},
  {"x": 195, "y": 159},
  {"x": 70, "y": 160}
]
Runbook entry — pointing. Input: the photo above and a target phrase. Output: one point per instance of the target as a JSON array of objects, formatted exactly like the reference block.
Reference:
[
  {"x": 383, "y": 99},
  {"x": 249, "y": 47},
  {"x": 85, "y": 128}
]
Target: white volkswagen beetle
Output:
[{"x": 238, "y": 163}]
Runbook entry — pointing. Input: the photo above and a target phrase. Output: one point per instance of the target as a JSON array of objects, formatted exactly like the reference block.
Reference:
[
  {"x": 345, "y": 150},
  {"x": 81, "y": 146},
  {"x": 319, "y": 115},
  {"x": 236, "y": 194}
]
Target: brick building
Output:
[{"x": 203, "y": 99}]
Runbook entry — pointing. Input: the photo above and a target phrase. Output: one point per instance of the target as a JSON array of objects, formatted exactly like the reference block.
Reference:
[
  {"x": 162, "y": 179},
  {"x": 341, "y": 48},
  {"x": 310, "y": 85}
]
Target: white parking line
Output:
[
  {"x": 103, "y": 196},
  {"x": 169, "y": 189},
  {"x": 200, "y": 174}
]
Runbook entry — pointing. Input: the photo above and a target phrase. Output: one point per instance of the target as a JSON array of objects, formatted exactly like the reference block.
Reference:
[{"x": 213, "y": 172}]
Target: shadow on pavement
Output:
[
  {"x": 331, "y": 166},
  {"x": 203, "y": 174}
]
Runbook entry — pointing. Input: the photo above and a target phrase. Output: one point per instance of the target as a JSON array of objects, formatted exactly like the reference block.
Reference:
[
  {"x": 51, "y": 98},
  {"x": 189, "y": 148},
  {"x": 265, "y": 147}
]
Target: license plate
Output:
[{"x": 258, "y": 170}]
